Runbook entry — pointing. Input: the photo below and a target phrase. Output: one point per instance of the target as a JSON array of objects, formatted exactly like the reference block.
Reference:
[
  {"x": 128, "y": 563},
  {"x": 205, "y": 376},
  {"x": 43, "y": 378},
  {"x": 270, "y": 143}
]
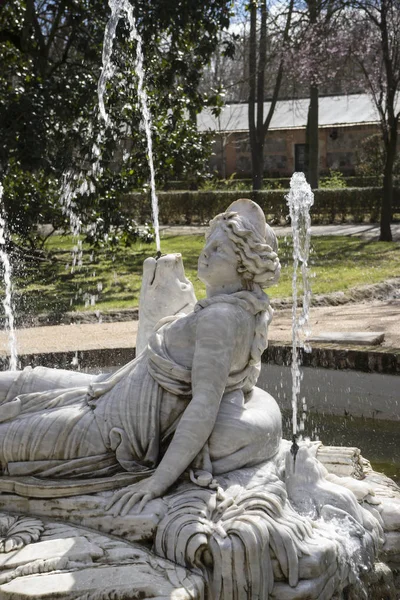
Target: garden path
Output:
[{"x": 374, "y": 316}]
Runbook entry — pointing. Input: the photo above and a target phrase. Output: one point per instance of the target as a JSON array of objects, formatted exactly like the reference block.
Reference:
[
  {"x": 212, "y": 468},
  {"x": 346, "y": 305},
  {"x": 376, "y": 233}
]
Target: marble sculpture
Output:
[{"x": 180, "y": 452}]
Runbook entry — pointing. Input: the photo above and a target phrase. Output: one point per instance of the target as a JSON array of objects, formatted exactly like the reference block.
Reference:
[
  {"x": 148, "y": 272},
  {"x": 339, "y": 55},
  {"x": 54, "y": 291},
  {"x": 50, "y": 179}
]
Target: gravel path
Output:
[{"x": 382, "y": 316}]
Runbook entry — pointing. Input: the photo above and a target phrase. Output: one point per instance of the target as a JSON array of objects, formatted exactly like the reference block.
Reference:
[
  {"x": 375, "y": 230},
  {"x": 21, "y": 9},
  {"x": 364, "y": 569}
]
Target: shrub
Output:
[
  {"x": 330, "y": 205},
  {"x": 334, "y": 181},
  {"x": 371, "y": 157}
]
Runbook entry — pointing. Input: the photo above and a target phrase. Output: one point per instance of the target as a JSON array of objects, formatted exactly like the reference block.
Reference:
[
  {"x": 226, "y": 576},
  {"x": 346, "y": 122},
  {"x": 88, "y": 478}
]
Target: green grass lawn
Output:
[{"x": 112, "y": 280}]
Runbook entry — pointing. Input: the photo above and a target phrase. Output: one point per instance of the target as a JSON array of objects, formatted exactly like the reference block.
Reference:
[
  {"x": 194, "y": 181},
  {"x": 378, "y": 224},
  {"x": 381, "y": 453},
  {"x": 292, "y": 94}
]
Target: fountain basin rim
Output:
[{"x": 325, "y": 356}]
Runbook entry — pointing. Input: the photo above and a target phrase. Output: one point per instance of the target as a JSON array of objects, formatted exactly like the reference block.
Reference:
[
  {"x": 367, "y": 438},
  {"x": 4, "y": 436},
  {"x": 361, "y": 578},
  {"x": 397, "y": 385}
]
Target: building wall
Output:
[
  {"x": 338, "y": 149},
  {"x": 342, "y": 151}
]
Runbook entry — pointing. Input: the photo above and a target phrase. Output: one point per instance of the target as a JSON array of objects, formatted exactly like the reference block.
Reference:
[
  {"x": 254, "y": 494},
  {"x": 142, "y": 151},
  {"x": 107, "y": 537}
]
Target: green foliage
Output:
[
  {"x": 334, "y": 181},
  {"x": 363, "y": 181},
  {"x": 23, "y": 199},
  {"x": 330, "y": 205},
  {"x": 372, "y": 157},
  {"x": 234, "y": 183},
  {"x": 214, "y": 183},
  {"x": 276, "y": 183},
  {"x": 51, "y": 60}
]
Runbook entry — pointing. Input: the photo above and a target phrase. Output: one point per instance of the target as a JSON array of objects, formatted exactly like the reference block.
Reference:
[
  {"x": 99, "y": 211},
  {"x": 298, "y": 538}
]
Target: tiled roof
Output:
[{"x": 354, "y": 109}]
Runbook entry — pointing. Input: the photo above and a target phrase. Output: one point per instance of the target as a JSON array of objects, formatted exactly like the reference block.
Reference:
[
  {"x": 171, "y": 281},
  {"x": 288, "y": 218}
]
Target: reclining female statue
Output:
[{"x": 189, "y": 399}]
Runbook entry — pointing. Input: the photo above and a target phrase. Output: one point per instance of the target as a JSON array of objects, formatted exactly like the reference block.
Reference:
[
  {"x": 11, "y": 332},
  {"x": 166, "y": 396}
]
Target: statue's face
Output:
[{"x": 218, "y": 261}]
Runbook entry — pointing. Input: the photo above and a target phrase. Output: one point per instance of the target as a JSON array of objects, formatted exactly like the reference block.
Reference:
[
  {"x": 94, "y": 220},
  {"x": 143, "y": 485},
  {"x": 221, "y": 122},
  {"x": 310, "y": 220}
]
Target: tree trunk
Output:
[
  {"x": 258, "y": 128},
  {"x": 257, "y": 65},
  {"x": 312, "y": 149},
  {"x": 387, "y": 199},
  {"x": 390, "y": 130},
  {"x": 257, "y": 161},
  {"x": 312, "y": 140},
  {"x": 252, "y": 91}
]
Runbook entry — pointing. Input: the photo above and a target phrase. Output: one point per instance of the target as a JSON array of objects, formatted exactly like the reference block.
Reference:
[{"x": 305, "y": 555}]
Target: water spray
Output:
[
  {"x": 299, "y": 200},
  {"x": 118, "y": 8},
  {"x": 7, "y": 302}
]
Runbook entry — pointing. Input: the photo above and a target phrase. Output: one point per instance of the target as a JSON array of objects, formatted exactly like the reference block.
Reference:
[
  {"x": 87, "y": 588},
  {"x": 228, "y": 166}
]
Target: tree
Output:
[
  {"x": 224, "y": 78},
  {"x": 376, "y": 47},
  {"x": 312, "y": 140},
  {"x": 227, "y": 70},
  {"x": 316, "y": 56},
  {"x": 51, "y": 59},
  {"x": 372, "y": 156},
  {"x": 261, "y": 49}
]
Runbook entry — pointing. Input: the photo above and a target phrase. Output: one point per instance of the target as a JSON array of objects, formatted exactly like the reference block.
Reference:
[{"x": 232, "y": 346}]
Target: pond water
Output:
[
  {"x": 345, "y": 408},
  {"x": 378, "y": 440}
]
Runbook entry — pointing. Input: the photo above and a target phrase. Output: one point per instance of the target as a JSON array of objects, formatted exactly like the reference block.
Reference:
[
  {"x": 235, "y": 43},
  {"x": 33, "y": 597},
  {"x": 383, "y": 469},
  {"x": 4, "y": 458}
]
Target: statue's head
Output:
[{"x": 253, "y": 241}]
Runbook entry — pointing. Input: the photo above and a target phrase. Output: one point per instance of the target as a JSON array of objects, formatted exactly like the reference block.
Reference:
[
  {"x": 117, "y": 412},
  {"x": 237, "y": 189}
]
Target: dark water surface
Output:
[
  {"x": 378, "y": 440},
  {"x": 345, "y": 408}
]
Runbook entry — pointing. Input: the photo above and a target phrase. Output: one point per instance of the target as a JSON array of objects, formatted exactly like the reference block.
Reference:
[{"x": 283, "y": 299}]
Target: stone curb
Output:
[
  {"x": 326, "y": 356},
  {"x": 334, "y": 356},
  {"x": 96, "y": 359}
]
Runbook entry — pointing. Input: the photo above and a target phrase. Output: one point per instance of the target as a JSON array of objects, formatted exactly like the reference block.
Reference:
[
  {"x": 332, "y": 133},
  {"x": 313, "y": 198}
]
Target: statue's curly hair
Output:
[{"x": 258, "y": 260}]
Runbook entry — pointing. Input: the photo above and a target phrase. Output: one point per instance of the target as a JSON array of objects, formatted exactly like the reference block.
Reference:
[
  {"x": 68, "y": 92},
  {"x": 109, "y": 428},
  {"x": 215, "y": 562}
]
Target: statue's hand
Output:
[{"x": 141, "y": 492}]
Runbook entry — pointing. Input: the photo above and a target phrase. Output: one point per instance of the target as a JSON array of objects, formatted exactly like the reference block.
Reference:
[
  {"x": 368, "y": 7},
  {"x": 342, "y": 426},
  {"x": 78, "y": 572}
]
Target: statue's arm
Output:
[{"x": 216, "y": 333}]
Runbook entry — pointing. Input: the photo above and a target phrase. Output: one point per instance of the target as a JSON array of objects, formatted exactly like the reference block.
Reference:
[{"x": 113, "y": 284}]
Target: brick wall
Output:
[{"x": 338, "y": 148}]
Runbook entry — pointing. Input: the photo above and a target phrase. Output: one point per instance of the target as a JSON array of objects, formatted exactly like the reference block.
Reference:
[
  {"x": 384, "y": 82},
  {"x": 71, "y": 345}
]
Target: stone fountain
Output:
[{"x": 169, "y": 477}]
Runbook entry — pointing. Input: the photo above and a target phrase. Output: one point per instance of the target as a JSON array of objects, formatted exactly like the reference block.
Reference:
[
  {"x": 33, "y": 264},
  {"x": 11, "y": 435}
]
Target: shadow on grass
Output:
[
  {"x": 112, "y": 279},
  {"x": 106, "y": 278}
]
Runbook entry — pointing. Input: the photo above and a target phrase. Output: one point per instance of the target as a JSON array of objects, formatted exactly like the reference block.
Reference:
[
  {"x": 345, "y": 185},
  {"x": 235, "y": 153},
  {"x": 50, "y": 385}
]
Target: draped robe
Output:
[{"x": 109, "y": 423}]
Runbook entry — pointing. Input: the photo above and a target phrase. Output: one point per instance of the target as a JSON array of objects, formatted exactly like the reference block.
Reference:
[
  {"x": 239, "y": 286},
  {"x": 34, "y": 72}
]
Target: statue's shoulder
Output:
[
  {"x": 225, "y": 315},
  {"x": 222, "y": 304},
  {"x": 229, "y": 304}
]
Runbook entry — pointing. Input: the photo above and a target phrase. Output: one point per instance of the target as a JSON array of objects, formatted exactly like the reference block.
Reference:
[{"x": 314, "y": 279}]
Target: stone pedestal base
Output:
[
  {"x": 72, "y": 562},
  {"x": 241, "y": 539}
]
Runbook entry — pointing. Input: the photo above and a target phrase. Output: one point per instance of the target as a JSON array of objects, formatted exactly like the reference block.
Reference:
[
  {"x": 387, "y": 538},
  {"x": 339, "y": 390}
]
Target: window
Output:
[{"x": 300, "y": 157}]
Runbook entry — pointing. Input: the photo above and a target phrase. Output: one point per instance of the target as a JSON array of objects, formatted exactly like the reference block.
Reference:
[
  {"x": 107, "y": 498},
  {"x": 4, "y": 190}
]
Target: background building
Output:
[{"x": 344, "y": 122}]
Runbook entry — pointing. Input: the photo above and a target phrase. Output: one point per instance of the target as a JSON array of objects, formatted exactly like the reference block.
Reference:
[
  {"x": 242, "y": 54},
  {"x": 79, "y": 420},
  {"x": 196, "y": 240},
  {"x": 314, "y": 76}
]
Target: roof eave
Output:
[{"x": 297, "y": 127}]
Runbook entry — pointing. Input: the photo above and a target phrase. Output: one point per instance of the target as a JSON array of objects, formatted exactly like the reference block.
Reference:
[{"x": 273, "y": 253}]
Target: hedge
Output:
[
  {"x": 330, "y": 206},
  {"x": 271, "y": 183},
  {"x": 226, "y": 184}
]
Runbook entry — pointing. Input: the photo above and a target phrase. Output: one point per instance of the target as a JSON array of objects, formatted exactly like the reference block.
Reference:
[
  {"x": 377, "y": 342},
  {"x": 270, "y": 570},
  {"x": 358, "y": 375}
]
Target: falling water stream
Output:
[
  {"x": 300, "y": 199},
  {"x": 118, "y": 7},
  {"x": 7, "y": 302},
  {"x": 69, "y": 191}
]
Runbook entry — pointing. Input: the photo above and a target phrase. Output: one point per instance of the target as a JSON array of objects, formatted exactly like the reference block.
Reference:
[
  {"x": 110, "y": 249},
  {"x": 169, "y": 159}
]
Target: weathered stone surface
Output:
[
  {"x": 165, "y": 291},
  {"x": 378, "y": 585},
  {"x": 391, "y": 546},
  {"x": 126, "y": 581},
  {"x": 390, "y": 514},
  {"x": 71, "y": 563},
  {"x": 89, "y": 511},
  {"x": 193, "y": 512},
  {"x": 341, "y": 461},
  {"x": 313, "y": 565},
  {"x": 363, "y": 338},
  {"x": 321, "y": 588},
  {"x": 75, "y": 548}
]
